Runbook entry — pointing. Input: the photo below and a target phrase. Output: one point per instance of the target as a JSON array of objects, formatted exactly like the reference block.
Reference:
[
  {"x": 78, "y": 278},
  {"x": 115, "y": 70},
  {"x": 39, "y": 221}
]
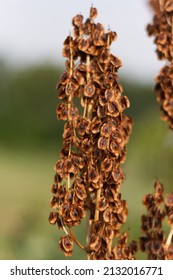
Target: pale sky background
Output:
[{"x": 33, "y": 31}]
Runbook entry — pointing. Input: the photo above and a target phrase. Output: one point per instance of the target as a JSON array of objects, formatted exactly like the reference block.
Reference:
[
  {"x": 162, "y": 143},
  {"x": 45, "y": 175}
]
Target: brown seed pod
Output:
[
  {"x": 89, "y": 89},
  {"x": 53, "y": 218},
  {"x": 103, "y": 143},
  {"x": 169, "y": 200},
  {"x": 77, "y": 20},
  {"x": 66, "y": 244},
  {"x": 93, "y": 13}
]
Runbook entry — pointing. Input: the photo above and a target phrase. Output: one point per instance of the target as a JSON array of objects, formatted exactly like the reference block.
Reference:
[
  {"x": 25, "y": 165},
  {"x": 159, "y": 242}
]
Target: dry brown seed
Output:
[
  {"x": 107, "y": 165},
  {"x": 170, "y": 217},
  {"x": 125, "y": 102},
  {"x": 66, "y": 51},
  {"x": 95, "y": 125},
  {"x": 98, "y": 39},
  {"x": 114, "y": 148},
  {"x": 64, "y": 209},
  {"x": 84, "y": 44},
  {"x": 169, "y": 200},
  {"x": 102, "y": 143},
  {"x": 110, "y": 78},
  {"x": 61, "y": 92},
  {"x": 78, "y": 161},
  {"x": 102, "y": 203},
  {"x": 95, "y": 243},
  {"x": 54, "y": 203},
  {"x": 104, "y": 56},
  {"x": 110, "y": 94},
  {"x": 79, "y": 76},
  {"x": 82, "y": 126},
  {"x": 115, "y": 61},
  {"x": 102, "y": 100},
  {"x": 148, "y": 200},
  {"x": 59, "y": 166},
  {"x": 62, "y": 111},
  {"x": 89, "y": 89},
  {"x": 57, "y": 178},
  {"x": 61, "y": 191},
  {"x": 83, "y": 30},
  {"x": 66, "y": 244},
  {"x": 169, "y": 6},
  {"x": 76, "y": 212},
  {"x": 71, "y": 87},
  {"x": 54, "y": 188},
  {"x": 117, "y": 175},
  {"x": 107, "y": 215},
  {"x": 159, "y": 188},
  {"x": 87, "y": 146},
  {"x": 109, "y": 231},
  {"x": 98, "y": 227},
  {"x": 112, "y": 36},
  {"x": 64, "y": 78},
  {"x": 68, "y": 132},
  {"x": 93, "y": 175},
  {"x": 113, "y": 108},
  {"x": 80, "y": 192},
  {"x": 53, "y": 218},
  {"x": 98, "y": 185},
  {"x": 106, "y": 130},
  {"x": 77, "y": 20},
  {"x": 73, "y": 114},
  {"x": 68, "y": 40},
  {"x": 68, "y": 200},
  {"x": 93, "y": 13}
]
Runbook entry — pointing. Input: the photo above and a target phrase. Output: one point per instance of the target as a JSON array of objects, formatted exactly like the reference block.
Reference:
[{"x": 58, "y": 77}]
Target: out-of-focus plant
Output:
[{"x": 162, "y": 30}]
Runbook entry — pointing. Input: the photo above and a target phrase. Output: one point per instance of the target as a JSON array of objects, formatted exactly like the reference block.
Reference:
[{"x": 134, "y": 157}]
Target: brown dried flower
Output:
[{"x": 88, "y": 173}]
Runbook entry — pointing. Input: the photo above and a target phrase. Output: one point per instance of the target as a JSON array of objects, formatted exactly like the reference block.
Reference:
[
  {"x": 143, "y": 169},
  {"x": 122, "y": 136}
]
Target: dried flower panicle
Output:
[
  {"x": 154, "y": 242},
  {"x": 88, "y": 174},
  {"x": 164, "y": 93},
  {"x": 162, "y": 30}
]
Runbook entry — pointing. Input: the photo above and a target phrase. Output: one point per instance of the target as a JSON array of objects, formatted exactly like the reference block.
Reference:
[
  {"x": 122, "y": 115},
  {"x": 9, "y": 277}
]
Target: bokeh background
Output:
[{"x": 31, "y": 38}]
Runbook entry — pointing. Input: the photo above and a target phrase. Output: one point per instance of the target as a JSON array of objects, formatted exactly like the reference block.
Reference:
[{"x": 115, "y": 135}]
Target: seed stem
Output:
[
  {"x": 96, "y": 217},
  {"x": 69, "y": 104},
  {"x": 169, "y": 239},
  {"x": 87, "y": 78},
  {"x": 75, "y": 240},
  {"x": 63, "y": 227},
  {"x": 161, "y": 2}
]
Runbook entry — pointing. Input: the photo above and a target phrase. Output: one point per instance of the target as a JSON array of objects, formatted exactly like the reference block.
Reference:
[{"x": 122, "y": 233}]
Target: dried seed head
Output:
[{"x": 94, "y": 142}]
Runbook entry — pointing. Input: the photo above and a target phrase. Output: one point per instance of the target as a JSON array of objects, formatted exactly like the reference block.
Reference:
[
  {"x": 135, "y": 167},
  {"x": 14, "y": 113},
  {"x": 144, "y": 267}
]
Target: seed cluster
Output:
[
  {"x": 88, "y": 174},
  {"x": 154, "y": 242},
  {"x": 162, "y": 30}
]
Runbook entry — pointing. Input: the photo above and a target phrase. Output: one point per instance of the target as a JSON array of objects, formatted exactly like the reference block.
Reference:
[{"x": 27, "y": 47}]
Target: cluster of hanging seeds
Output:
[
  {"x": 88, "y": 174},
  {"x": 154, "y": 242},
  {"x": 162, "y": 30}
]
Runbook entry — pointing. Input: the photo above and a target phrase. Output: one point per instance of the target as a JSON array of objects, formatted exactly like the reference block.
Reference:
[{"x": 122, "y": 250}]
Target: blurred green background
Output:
[{"x": 30, "y": 140}]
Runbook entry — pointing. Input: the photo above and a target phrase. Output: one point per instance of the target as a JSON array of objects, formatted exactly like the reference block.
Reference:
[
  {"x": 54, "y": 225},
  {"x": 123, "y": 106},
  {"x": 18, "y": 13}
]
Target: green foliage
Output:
[{"x": 28, "y": 104}]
